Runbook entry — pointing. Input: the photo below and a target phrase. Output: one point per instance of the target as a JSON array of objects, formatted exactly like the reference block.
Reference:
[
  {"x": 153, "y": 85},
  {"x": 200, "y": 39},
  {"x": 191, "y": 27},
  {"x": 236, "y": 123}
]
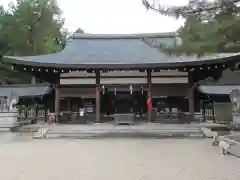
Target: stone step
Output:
[
  {"x": 124, "y": 135},
  {"x": 32, "y": 129},
  {"x": 53, "y": 131}
]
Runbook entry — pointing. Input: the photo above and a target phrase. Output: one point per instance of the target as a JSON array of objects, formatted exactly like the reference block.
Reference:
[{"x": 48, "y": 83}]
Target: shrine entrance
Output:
[{"x": 123, "y": 99}]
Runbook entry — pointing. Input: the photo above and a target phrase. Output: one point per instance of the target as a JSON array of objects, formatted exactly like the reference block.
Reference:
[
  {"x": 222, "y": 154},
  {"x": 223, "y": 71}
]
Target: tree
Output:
[
  {"x": 193, "y": 7},
  {"x": 4, "y": 47},
  {"x": 209, "y": 27},
  {"x": 35, "y": 27},
  {"x": 31, "y": 27}
]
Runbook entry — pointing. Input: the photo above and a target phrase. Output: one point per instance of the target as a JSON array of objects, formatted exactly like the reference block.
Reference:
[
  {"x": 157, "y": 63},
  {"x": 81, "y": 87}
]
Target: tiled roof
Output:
[
  {"x": 228, "y": 78},
  {"x": 24, "y": 90},
  {"x": 218, "y": 89},
  {"x": 117, "y": 51}
]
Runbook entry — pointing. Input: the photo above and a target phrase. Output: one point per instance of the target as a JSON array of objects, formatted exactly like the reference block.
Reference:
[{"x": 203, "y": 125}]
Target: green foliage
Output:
[
  {"x": 31, "y": 27},
  {"x": 210, "y": 27},
  {"x": 34, "y": 26},
  {"x": 193, "y": 7}
]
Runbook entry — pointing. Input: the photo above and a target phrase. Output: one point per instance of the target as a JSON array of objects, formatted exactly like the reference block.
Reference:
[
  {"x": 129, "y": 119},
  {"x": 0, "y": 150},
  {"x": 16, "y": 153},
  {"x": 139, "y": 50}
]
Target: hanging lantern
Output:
[
  {"x": 103, "y": 89},
  {"x": 130, "y": 87},
  {"x": 115, "y": 91}
]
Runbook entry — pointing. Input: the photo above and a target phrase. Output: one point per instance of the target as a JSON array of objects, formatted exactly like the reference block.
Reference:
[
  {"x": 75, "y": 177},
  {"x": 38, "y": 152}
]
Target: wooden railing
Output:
[{"x": 31, "y": 113}]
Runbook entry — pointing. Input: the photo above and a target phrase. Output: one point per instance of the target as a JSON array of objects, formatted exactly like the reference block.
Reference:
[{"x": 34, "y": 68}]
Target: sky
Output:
[{"x": 115, "y": 16}]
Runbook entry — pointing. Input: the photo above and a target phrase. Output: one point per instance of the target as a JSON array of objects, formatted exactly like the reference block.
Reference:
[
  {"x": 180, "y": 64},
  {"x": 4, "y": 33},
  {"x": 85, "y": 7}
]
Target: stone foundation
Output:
[{"x": 8, "y": 119}]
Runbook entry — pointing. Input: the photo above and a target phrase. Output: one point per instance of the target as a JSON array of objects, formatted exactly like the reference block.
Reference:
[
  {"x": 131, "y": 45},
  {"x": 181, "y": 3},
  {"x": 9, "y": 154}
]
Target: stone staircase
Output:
[
  {"x": 105, "y": 131},
  {"x": 29, "y": 128}
]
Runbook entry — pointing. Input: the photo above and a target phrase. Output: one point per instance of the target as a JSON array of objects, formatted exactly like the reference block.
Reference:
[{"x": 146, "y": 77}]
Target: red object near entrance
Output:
[{"x": 149, "y": 104}]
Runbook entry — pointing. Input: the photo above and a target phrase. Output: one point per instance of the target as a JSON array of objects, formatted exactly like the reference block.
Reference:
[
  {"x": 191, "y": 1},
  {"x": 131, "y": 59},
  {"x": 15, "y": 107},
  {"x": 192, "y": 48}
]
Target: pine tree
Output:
[
  {"x": 210, "y": 27},
  {"x": 30, "y": 27}
]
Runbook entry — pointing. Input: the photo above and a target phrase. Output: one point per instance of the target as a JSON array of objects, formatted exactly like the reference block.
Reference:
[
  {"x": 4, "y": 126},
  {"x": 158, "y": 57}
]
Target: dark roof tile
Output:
[
  {"x": 116, "y": 51},
  {"x": 24, "y": 90}
]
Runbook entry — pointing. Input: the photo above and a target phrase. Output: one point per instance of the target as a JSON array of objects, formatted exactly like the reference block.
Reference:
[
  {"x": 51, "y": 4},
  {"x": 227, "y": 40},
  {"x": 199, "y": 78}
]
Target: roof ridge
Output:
[{"x": 122, "y": 36}]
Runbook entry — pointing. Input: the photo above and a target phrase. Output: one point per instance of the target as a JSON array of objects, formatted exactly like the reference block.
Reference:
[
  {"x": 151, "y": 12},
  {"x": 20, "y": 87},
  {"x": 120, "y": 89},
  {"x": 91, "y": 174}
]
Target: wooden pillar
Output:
[
  {"x": 98, "y": 89},
  {"x": 69, "y": 105},
  {"x": 26, "y": 111},
  {"x": 149, "y": 82},
  {"x": 37, "y": 110},
  {"x": 204, "y": 111},
  {"x": 191, "y": 94},
  {"x": 57, "y": 102},
  {"x": 55, "y": 79},
  {"x": 191, "y": 101},
  {"x": 213, "y": 112}
]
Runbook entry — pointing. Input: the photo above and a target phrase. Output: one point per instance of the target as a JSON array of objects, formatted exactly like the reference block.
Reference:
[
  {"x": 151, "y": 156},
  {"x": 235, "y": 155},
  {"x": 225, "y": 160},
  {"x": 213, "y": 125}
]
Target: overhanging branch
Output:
[{"x": 184, "y": 11}]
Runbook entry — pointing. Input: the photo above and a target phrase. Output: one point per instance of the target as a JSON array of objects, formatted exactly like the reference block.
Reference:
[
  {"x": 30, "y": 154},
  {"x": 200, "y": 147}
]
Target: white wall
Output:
[
  {"x": 157, "y": 90},
  {"x": 124, "y": 73},
  {"x": 158, "y": 80}
]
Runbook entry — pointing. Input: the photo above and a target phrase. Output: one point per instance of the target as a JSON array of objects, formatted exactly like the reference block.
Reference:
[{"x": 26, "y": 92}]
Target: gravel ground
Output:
[{"x": 116, "y": 159}]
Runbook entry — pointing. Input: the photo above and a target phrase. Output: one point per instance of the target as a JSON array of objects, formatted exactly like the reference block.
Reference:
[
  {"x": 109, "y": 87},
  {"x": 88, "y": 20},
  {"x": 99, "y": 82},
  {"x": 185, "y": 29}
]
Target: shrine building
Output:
[{"x": 107, "y": 74}]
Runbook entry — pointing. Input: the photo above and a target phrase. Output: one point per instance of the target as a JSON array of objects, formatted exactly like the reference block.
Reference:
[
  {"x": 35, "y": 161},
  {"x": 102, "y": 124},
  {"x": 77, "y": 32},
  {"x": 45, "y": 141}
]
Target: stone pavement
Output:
[{"x": 118, "y": 159}]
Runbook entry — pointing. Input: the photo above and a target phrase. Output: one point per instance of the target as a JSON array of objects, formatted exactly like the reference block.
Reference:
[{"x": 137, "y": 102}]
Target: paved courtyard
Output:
[{"x": 116, "y": 159}]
